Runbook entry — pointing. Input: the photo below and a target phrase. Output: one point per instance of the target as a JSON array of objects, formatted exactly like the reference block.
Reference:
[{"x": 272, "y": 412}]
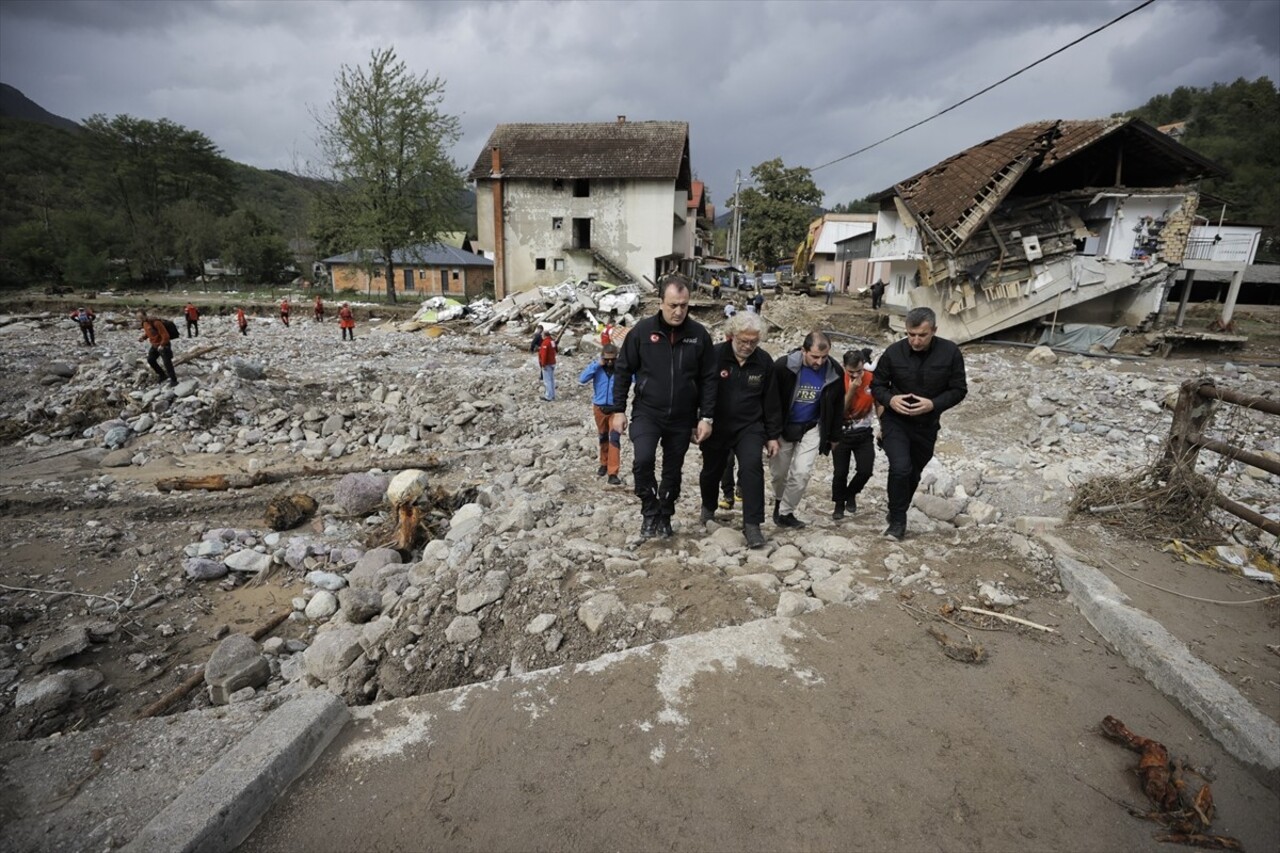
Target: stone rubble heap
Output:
[{"x": 539, "y": 564}]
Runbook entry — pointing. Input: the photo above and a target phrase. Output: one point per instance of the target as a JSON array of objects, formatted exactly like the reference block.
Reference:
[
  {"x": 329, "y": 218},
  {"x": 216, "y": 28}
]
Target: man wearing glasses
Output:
[
  {"x": 748, "y": 419},
  {"x": 669, "y": 359}
]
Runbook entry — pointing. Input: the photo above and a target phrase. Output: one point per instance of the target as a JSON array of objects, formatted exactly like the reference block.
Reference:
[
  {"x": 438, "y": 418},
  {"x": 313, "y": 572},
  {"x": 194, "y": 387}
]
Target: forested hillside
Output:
[
  {"x": 125, "y": 199},
  {"x": 1236, "y": 125}
]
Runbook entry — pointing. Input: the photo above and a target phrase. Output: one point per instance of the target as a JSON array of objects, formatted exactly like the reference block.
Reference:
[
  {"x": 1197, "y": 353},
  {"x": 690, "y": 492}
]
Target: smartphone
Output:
[{"x": 912, "y": 399}]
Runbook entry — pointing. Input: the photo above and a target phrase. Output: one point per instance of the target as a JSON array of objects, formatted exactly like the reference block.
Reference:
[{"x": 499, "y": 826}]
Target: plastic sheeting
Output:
[{"x": 1081, "y": 337}]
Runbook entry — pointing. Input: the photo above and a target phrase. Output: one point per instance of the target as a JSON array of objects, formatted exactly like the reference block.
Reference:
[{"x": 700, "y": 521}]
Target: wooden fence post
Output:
[{"x": 1191, "y": 415}]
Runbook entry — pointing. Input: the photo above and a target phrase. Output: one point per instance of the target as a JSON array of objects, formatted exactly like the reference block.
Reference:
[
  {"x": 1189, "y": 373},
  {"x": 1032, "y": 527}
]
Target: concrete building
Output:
[
  {"x": 1077, "y": 221},
  {"x": 608, "y": 200}
]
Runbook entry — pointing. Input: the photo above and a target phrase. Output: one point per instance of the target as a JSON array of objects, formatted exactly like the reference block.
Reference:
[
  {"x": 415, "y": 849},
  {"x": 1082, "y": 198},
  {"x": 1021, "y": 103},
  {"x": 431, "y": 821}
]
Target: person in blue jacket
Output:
[{"x": 600, "y": 373}]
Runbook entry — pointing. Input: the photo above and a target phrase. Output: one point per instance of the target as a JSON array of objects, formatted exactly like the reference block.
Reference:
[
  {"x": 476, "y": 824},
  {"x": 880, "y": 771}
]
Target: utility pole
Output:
[{"x": 735, "y": 227}]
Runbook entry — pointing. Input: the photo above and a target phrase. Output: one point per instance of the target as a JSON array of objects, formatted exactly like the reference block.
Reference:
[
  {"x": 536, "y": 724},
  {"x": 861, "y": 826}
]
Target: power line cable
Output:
[{"x": 989, "y": 88}]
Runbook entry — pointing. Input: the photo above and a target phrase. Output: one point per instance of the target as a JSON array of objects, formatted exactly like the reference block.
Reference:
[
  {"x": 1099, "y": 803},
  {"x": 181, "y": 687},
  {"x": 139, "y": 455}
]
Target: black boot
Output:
[
  {"x": 838, "y": 512},
  {"x": 664, "y": 527},
  {"x": 648, "y": 527}
]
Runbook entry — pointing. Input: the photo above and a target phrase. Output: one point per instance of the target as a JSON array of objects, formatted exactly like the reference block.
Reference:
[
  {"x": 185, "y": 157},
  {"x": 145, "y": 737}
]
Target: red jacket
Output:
[
  {"x": 547, "y": 352},
  {"x": 155, "y": 332},
  {"x": 858, "y": 404},
  {"x": 240, "y": 318},
  {"x": 192, "y": 312},
  {"x": 346, "y": 319}
]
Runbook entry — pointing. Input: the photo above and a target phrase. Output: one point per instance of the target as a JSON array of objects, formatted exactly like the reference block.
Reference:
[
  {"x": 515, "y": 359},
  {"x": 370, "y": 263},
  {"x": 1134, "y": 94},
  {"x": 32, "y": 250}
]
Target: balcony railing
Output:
[{"x": 1206, "y": 245}]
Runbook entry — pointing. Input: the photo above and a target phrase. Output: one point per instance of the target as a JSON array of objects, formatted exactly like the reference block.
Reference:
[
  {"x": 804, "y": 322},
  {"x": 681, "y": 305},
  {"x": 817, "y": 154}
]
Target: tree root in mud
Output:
[{"x": 1164, "y": 781}]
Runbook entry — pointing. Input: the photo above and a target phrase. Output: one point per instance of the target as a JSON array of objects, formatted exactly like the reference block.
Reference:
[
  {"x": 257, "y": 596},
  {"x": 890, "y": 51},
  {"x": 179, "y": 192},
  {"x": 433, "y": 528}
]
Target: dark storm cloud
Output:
[{"x": 804, "y": 81}]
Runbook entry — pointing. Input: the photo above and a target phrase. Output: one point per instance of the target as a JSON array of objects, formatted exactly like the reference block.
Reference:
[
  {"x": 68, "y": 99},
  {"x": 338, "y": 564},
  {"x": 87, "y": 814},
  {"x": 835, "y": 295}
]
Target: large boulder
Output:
[
  {"x": 236, "y": 663},
  {"x": 359, "y": 494},
  {"x": 332, "y": 651},
  {"x": 406, "y": 487},
  {"x": 67, "y": 642},
  {"x": 490, "y": 588}
]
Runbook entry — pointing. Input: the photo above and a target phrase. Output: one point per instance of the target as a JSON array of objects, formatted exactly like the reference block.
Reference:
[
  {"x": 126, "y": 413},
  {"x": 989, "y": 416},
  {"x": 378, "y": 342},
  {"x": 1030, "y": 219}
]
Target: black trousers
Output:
[
  {"x": 165, "y": 353},
  {"x": 658, "y": 498},
  {"x": 726, "y": 482},
  {"x": 193, "y": 325},
  {"x": 908, "y": 442},
  {"x": 86, "y": 331},
  {"x": 747, "y": 446},
  {"x": 858, "y": 445}
]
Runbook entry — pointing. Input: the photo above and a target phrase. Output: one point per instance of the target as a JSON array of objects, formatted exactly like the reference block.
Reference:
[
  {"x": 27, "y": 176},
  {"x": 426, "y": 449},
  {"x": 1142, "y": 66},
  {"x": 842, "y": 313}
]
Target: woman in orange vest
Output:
[
  {"x": 192, "y": 313},
  {"x": 242, "y": 321},
  {"x": 347, "y": 322},
  {"x": 856, "y": 435},
  {"x": 285, "y": 308},
  {"x": 319, "y": 309}
]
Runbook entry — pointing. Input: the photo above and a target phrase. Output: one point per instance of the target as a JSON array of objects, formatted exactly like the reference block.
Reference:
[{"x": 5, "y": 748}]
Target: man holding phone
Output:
[{"x": 916, "y": 380}]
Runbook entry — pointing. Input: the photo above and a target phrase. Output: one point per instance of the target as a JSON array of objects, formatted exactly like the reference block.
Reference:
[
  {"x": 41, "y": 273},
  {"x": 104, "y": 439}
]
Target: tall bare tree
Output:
[{"x": 385, "y": 141}]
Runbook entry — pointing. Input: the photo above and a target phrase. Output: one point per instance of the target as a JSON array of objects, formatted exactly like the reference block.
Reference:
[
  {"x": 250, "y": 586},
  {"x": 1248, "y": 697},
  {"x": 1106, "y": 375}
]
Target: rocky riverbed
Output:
[{"x": 119, "y": 582}]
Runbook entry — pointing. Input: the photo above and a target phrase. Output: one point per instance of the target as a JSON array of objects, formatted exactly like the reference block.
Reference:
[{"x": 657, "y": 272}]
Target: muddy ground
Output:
[{"x": 109, "y": 550}]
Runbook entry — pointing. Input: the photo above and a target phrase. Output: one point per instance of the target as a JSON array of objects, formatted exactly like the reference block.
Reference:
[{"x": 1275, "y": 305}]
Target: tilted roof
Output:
[
  {"x": 953, "y": 198},
  {"x": 433, "y": 254},
  {"x": 612, "y": 149}
]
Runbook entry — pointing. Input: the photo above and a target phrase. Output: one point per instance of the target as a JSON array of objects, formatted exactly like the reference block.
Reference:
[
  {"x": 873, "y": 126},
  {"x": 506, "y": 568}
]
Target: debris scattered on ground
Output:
[{"x": 1167, "y": 784}]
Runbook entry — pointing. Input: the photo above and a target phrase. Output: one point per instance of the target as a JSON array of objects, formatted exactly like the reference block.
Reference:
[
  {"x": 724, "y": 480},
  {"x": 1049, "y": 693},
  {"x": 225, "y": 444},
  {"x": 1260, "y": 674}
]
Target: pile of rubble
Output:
[{"x": 526, "y": 559}]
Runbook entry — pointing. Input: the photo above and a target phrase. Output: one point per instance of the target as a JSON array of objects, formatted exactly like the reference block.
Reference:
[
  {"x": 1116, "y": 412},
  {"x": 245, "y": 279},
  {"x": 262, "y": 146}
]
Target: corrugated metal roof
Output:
[
  {"x": 627, "y": 149},
  {"x": 434, "y": 254}
]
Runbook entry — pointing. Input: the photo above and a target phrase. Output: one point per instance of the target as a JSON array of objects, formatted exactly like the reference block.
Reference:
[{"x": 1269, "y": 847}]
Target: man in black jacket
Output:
[
  {"x": 670, "y": 360},
  {"x": 811, "y": 393},
  {"x": 916, "y": 380},
  {"x": 748, "y": 421}
]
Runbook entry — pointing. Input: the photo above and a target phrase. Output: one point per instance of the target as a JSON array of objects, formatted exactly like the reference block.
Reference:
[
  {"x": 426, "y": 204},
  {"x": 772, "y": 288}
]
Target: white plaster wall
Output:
[
  {"x": 889, "y": 224},
  {"x": 631, "y": 223},
  {"x": 1129, "y": 212}
]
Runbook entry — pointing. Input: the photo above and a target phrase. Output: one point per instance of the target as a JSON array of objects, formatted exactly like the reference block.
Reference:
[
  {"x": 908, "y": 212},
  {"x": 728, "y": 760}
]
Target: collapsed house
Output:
[{"x": 1078, "y": 221}]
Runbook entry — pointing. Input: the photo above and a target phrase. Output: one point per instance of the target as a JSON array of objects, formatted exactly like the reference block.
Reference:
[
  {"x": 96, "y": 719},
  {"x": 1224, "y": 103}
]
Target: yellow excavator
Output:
[{"x": 800, "y": 279}]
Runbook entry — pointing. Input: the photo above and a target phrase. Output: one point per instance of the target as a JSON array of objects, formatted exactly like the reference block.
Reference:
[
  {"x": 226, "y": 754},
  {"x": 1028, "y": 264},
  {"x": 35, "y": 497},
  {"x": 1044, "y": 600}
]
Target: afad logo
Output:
[
  {"x": 655, "y": 338},
  {"x": 724, "y": 374}
]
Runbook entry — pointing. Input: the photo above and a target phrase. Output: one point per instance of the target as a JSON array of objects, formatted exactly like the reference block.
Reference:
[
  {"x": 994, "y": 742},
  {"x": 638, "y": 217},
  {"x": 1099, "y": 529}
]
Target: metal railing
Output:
[
  {"x": 1192, "y": 415},
  {"x": 1234, "y": 249}
]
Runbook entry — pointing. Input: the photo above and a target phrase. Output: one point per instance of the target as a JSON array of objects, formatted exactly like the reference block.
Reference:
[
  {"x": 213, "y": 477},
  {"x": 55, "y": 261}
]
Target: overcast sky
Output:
[{"x": 804, "y": 81}]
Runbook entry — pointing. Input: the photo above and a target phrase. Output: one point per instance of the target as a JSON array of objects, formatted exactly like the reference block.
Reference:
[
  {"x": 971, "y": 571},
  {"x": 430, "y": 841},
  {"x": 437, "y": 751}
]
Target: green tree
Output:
[
  {"x": 1237, "y": 126},
  {"x": 870, "y": 204},
  {"x": 145, "y": 168},
  {"x": 385, "y": 140},
  {"x": 252, "y": 245},
  {"x": 776, "y": 211}
]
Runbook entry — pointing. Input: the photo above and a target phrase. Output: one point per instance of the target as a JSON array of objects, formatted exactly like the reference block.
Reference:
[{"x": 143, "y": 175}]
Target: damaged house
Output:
[
  {"x": 586, "y": 201},
  {"x": 1078, "y": 221}
]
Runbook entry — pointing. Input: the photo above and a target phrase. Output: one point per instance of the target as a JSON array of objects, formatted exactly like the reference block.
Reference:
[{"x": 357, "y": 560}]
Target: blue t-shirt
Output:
[{"x": 804, "y": 409}]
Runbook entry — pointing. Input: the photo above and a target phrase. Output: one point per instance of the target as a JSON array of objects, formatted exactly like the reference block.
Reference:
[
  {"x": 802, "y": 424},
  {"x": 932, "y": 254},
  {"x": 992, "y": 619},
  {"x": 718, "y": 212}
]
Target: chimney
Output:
[
  {"x": 499, "y": 229},
  {"x": 622, "y": 119}
]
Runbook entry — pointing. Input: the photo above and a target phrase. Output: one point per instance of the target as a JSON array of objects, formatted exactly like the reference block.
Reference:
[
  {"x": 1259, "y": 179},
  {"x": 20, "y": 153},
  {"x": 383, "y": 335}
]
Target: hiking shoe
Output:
[
  {"x": 737, "y": 492},
  {"x": 838, "y": 512},
  {"x": 789, "y": 520},
  {"x": 755, "y": 538},
  {"x": 896, "y": 530},
  {"x": 173, "y": 384},
  {"x": 649, "y": 527},
  {"x": 614, "y": 480},
  {"x": 706, "y": 515},
  {"x": 664, "y": 528},
  {"x": 602, "y": 470},
  {"x": 726, "y": 503}
]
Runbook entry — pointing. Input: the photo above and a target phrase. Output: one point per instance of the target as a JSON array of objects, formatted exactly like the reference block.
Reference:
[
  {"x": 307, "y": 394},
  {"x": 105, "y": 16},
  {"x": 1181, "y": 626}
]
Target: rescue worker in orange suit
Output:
[
  {"x": 154, "y": 333},
  {"x": 285, "y": 308},
  {"x": 84, "y": 318},
  {"x": 319, "y": 309},
  {"x": 242, "y": 321},
  {"x": 347, "y": 322}
]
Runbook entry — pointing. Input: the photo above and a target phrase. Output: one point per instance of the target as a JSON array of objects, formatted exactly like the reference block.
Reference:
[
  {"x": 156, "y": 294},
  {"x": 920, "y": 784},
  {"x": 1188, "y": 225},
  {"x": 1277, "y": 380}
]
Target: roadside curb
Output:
[
  {"x": 221, "y": 808},
  {"x": 1169, "y": 665}
]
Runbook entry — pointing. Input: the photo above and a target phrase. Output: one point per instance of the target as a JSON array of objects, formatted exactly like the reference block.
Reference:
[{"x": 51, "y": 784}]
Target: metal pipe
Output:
[{"x": 1233, "y": 452}]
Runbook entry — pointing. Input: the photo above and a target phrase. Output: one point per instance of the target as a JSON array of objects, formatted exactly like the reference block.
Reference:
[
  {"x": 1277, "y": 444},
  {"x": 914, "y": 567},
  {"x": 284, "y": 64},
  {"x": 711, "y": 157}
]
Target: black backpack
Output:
[{"x": 170, "y": 327}]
